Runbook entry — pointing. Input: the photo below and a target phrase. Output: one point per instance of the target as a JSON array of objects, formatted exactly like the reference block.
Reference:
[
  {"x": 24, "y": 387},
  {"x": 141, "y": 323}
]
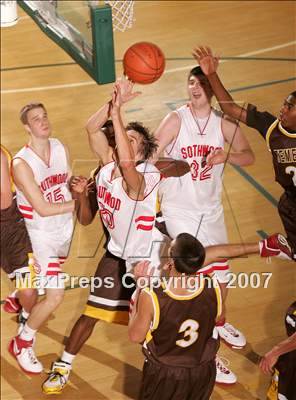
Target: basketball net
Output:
[
  {"x": 122, "y": 13},
  {"x": 8, "y": 13}
]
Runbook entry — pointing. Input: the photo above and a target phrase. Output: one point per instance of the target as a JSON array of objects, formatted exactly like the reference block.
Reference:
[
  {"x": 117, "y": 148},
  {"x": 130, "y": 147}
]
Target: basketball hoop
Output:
[
  {"x": 122, "y": 13},
  {"x": 8, "y": 13}
]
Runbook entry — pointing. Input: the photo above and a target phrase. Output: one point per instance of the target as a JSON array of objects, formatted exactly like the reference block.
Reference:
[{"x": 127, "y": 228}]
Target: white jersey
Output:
[
  {"x": 52, "y": 180},
  {"x": 129, "y": 222},
  {"x": 201, "y": 190}
]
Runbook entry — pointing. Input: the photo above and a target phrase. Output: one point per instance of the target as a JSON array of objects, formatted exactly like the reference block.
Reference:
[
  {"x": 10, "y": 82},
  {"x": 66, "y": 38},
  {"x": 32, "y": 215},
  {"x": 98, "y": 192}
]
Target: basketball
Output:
[{"x": 143, "y": 63}]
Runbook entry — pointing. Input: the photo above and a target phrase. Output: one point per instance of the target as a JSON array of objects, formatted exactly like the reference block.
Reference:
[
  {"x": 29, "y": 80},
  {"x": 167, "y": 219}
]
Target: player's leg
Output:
[
  {"x": 16, "y": 258},
  {"x": 49, "y": 277},
  {"x": 287, "y": 212},
  {"x": 108, "y": 301}
]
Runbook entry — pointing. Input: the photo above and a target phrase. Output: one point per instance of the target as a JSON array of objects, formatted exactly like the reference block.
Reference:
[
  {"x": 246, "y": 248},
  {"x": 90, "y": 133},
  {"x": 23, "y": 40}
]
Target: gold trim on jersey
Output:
[
  {"x": 118, "y": 317},
  {"x": 156, "y": 313},
  {"x": 269, "y": 132},
  {"x": 158, "y": 203},
  {"x": 184, "y": 297},
  {"x": 28, "y": 282},
  {"x": 285, "y": 132},
  {"x": 9, "y": 156},
  {"x": 281, "y": 129},
  {"x": 272, "y": 393},
  {"x": 218, "y": 295}
]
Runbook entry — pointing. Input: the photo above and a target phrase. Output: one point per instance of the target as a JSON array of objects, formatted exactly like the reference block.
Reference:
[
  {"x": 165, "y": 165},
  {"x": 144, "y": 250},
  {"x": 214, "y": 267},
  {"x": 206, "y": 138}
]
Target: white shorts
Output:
[
  {"x": 208, "y": 228},
  {"x": 50, "y": 252}
]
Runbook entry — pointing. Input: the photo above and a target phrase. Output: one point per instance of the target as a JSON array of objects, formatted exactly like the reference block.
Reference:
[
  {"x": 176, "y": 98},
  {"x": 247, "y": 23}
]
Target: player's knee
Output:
[
  {"x": 28, "y": 294},
  {"x": 28, "y": 298},
  {"x": 54, "y": 298}
]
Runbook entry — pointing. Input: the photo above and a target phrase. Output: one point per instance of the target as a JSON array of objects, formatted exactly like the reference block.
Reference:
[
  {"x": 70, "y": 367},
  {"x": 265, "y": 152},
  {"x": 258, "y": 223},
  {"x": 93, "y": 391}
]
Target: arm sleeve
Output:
[{"x": 258, "y": 120}]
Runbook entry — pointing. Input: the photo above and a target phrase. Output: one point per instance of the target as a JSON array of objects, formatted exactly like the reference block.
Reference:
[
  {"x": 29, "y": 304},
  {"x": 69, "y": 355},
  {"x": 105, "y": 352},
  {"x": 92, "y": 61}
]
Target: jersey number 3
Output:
[{"x": 190, "y": 328}]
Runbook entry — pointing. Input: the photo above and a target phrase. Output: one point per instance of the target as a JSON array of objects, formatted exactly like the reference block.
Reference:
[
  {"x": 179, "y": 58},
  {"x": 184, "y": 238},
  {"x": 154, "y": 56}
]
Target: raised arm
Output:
[
  {"x": 218, "y": 252},
  {"x": 96, "y": 137},
  {"x": 24, "y": 180},
  {"x": 209, "y": 65},
  {"x": 134, "y": 183},
  {"x": 166, "y": 133}
]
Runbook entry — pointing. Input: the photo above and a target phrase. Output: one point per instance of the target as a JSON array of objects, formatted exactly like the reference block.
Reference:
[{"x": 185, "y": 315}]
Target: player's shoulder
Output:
[
  {"x": 147, "y": 167},
  {"x": 54, "y": 142},
  {"x": 105, "y": 169}
]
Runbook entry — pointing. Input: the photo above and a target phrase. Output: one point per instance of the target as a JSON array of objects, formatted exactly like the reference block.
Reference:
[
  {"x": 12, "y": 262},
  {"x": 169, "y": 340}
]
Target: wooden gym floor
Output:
[{"x": 263, "y": 34}]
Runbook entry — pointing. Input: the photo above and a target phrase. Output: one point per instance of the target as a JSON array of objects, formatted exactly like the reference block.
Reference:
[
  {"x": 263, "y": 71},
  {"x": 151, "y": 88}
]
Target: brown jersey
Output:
[
  {"x": 281, "y": 143},
  {"x": 183, "y": 326}
]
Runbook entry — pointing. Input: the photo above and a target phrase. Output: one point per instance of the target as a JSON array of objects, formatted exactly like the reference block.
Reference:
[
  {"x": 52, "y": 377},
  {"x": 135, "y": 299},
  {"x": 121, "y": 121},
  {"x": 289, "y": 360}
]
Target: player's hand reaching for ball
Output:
[
  {"x": 126, "y": 88},
  {"x": 205, "y": 58}
]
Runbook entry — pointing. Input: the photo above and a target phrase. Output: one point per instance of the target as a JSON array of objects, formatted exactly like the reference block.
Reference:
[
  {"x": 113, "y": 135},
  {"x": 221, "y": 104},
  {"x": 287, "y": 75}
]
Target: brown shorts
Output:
[
  {"x": 109, "y": 301},
  {"x": 16, "y": 249},
  {"x": 174, "y": 383},
  {"x": 287, "y": 212},
  {"x": 284, "y": 377}
]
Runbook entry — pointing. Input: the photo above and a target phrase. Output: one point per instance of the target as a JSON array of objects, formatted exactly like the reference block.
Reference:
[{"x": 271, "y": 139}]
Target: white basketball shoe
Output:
[
  {"x": 223, "y": 374},
  {"x": 58, "y": 378},
  {"x": 23, "y": 351},
  {"x": 232, "y": 336}
]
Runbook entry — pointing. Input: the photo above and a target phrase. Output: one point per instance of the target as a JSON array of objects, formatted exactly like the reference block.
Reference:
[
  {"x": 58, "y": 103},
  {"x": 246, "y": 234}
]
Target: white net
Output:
[{"x": 122, "y": 13}]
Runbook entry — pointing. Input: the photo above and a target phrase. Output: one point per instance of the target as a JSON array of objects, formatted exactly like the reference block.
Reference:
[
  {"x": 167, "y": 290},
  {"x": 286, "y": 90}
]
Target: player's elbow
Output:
[
  {"x": 135, "y": 336},
  {"x": 249, "y": 158},
  {"x": 127, "y": 165},
  {"x": 43, "y": 211}
]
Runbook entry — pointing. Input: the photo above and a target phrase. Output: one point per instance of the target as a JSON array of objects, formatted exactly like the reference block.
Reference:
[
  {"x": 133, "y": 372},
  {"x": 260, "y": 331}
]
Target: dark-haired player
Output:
[
  {"x": 281, "y": 361},
  {"x": 177, "y": 319},
  {"x": 193, "y": 203},
  {"x": 279, "y": 133},
  {"x": 126, "y": 192}
]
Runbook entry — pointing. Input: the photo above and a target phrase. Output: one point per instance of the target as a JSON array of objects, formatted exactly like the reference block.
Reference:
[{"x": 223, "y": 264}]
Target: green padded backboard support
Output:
[{"x": 102, "y": 67}]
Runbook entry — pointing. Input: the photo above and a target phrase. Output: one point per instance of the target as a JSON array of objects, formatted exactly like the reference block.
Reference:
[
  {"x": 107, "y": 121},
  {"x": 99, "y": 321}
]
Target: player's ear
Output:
[{"x": 27, "y": 128}]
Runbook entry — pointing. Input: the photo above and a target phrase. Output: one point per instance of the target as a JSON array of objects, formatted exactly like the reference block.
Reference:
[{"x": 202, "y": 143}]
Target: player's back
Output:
[{"x": 184, "y": 326}]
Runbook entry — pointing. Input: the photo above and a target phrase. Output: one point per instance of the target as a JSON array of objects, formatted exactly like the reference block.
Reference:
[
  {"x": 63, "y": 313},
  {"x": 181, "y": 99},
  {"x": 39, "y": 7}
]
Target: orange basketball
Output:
[{"x": 143, "y": 62}]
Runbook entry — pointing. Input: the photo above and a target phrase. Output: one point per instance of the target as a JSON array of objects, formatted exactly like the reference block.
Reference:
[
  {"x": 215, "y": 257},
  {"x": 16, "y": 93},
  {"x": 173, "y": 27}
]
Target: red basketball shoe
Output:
[
  {"x": 12, "y": 305},
  {"x": 275, "y": 245}
]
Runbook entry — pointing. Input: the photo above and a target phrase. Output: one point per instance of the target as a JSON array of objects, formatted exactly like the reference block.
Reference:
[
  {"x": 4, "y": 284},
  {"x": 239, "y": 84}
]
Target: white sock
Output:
[
  {"x": 68, "y": 357},
  {"x": 13, "y": 294},
  {"x": 25, "y": 314},
  {"x": 27, "y": 333}
]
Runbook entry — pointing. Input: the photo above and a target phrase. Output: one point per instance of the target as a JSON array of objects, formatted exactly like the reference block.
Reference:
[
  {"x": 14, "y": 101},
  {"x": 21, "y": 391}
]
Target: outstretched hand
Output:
[
  {"x": 126, "y": 88},
  {"x": 205, "y": 58}
]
